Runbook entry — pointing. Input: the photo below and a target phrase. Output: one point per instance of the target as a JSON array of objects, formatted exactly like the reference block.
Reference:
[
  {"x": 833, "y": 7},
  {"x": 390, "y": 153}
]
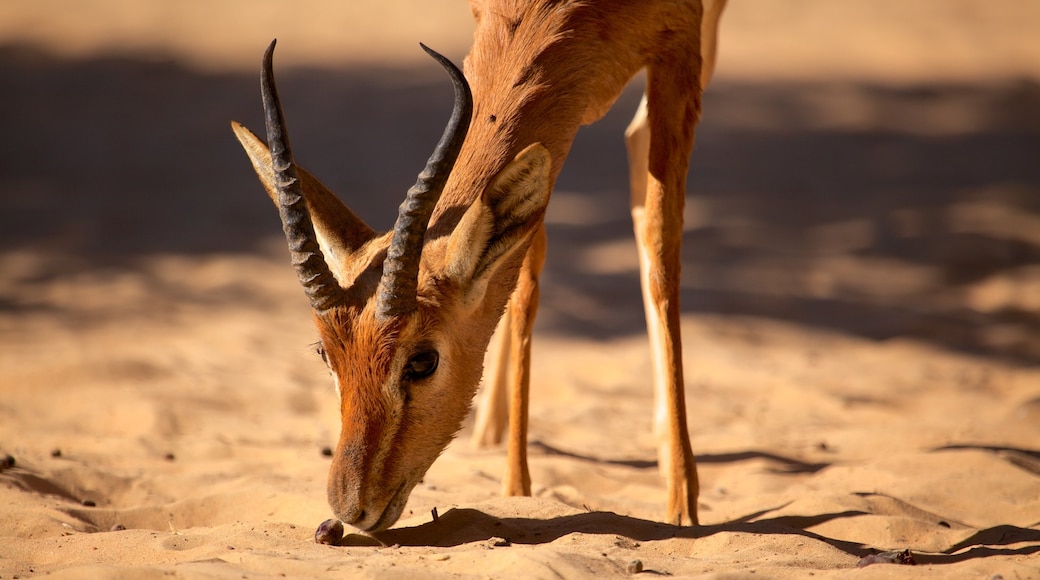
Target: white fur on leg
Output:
[{"x": 492, "y": 410}]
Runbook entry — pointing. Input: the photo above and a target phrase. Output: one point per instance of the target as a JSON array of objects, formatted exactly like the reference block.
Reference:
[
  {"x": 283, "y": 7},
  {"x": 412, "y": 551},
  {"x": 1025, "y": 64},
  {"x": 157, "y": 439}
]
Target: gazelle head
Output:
[{"x": 404, "y": 318}]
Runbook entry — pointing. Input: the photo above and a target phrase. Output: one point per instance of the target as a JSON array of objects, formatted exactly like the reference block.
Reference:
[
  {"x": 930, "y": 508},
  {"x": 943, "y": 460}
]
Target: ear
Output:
[
  {"x": 339, "y": 231},
  {"x": 499, "y": 222}
]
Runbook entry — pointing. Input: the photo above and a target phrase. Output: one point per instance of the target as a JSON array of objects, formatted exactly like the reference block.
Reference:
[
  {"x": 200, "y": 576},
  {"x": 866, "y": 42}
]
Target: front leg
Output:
[{"x": 522, "y": 310}]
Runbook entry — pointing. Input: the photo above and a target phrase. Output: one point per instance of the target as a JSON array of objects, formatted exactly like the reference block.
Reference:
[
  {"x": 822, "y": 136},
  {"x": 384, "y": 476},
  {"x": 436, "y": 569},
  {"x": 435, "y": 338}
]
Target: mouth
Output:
[{"x": 391, "y": 512}]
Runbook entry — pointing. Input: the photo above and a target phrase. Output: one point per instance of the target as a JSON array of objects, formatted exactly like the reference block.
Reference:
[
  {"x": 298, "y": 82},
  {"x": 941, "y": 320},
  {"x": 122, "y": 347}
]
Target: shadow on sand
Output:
[
  {"x": 877, "y": 211},
  {"x": 464, "y": 526}
]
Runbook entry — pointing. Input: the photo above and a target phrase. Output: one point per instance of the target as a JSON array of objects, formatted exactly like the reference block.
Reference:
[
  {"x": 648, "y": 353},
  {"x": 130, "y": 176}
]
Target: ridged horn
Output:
[
  {"x": 398, "y": 287},
  {"x": 314, "y": 274}
]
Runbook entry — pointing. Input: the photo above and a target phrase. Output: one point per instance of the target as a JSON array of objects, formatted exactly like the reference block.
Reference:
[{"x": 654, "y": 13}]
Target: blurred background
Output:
[{"x": 871, "y": 168}]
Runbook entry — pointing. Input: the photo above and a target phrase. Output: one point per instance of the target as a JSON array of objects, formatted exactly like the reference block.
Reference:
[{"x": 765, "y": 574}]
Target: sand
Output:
[{"x": 861, "y": 299}]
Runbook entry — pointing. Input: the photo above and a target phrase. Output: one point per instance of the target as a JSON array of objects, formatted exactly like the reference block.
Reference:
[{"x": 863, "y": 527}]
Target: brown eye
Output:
[
  {"x": 421, "y": 365},
  {"x": 320, "y": 349}
]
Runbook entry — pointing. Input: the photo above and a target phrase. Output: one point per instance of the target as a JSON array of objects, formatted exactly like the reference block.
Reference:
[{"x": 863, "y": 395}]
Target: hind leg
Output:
[{"x": 492, "y": 409}]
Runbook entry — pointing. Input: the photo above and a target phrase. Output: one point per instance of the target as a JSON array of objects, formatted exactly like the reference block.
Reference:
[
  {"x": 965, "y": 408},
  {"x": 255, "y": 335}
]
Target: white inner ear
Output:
[
  {"x": 468, "y": 242},
  {"x": 331, "y": 259},
  {"x": 516, "y": 199},
  {"x": 345, "y": 267},
  {"x": 498, "y": 223}
]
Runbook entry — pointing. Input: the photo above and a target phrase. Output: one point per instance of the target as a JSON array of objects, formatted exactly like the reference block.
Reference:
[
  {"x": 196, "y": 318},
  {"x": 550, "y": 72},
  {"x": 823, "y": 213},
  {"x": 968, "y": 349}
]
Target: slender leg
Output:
[
  {"x": 525, "y": 299},
  {"x": 491, "y": 416},
  {"x": 659, "y": 141}
]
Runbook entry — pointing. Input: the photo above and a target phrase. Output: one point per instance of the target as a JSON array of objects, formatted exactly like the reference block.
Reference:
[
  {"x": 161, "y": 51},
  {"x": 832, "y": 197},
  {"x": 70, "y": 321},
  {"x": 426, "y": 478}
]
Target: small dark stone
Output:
[
  {"x": 169, "y": 457},
  {"x": 89, "y": 503},
  {"x": 7, "y": 462},
  {"x": 326, "y": 451},
  {"x": 634, "y": 567},
  {"x": 55, "y": 452},
  {"x": 330, "y": 532},
  {"x": 117, "y": 528}
]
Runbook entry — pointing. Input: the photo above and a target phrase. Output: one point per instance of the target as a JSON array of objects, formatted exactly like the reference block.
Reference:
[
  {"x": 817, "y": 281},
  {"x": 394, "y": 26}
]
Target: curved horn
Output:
[
  {"x": 398, "y": 287},
  {"x": 314, "y": 274}
]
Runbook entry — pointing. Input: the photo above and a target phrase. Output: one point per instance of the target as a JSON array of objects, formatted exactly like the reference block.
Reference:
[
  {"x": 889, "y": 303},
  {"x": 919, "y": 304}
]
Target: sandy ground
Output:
[{"x": 861, "y": 298}]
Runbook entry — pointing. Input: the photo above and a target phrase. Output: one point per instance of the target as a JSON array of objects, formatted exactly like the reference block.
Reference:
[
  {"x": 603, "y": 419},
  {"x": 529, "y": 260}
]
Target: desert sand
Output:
[{"x": 861, "y": 298}]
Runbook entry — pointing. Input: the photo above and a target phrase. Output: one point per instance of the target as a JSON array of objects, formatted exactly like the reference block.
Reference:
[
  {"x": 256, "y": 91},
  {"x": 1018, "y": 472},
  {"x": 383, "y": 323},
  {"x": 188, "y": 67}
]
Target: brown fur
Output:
[
  {"x": 541, "y": 69},
  {"x": 538, "y": 69}
]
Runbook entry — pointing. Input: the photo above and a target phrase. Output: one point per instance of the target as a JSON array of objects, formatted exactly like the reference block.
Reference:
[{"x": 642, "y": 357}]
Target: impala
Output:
[{"x": 405, "y": 317}]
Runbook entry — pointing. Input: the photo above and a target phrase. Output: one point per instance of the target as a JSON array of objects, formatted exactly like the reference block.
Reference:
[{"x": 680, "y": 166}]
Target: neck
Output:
[{"x": 536, "y": 78}]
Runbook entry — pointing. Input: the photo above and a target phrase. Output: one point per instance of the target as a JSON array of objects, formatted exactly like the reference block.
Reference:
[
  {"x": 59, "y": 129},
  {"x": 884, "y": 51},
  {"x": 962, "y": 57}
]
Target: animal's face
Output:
[
  {"x": 405, "y": 387},
  {"x": 404, "y": 320}
]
